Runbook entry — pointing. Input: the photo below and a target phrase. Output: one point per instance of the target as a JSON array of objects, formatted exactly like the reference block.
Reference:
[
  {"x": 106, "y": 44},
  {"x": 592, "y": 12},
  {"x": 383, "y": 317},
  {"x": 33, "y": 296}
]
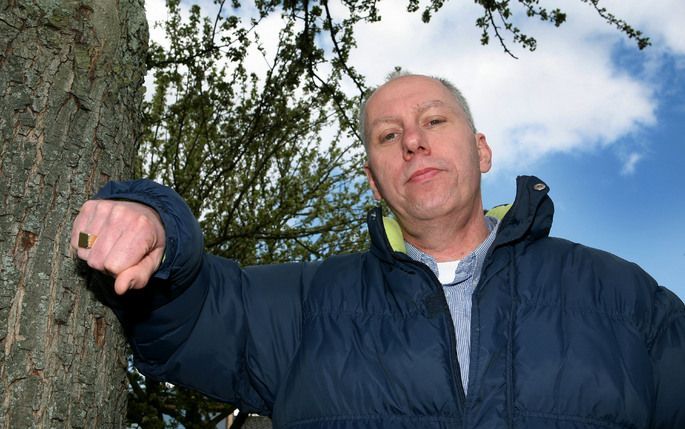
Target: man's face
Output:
[{"x": 423, "y": 158}]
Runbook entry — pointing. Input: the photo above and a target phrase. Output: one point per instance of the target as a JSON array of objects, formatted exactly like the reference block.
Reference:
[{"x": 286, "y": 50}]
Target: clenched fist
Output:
[{"x": 127, "y": 241}]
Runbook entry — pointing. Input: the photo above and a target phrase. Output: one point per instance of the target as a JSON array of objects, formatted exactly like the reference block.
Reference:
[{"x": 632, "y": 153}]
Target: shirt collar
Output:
[{"x": 470, "y": 265}]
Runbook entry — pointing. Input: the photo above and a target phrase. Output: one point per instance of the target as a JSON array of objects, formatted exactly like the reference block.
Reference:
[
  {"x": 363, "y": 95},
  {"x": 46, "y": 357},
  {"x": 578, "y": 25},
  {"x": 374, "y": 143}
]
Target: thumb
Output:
[{"x": 137, "y": 276}]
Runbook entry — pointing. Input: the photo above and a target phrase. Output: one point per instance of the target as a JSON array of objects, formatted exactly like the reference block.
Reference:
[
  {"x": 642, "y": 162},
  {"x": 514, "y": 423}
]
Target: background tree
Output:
[
  {"x": 271, "y": 165},
  {"x": 262, "y": 161},
  {"x": 70, "y": 84},
  {"x": 269, "y": 160}
]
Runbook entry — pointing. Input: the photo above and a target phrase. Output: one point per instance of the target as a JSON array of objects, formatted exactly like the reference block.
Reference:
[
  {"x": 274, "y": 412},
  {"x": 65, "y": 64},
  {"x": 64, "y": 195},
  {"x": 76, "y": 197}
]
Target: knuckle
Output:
[
  {"x": 81, "y": 218},
  {"x": 112, "y": 267},
  {"x": 141, "y": 231},
  {"x": 142, "y": 223},
  {"x": 81, "y": 254},
  {"x": 95, "y": 207},
  {"x": 93, "y": 262},
  {"x": 101, "y": 205},
  {"x": 89, "y": 206},
  {"x": 117, "y": 211},
  {"x": 100, "y": 209}
]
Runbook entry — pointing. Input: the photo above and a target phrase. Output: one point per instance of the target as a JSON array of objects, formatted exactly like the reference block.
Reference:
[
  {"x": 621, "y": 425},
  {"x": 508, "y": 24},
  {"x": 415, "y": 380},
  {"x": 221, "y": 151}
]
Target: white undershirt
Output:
[{"x": 446, "y": 271}]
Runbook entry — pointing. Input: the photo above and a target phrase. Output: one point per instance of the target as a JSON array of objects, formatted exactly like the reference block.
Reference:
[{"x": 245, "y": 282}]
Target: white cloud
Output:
[
  {"x": 567, "y": 96},
  {"x": 630, "y": 162},
  {"x": 156, "y": 11},
  {"x": 570, "y": 95}
]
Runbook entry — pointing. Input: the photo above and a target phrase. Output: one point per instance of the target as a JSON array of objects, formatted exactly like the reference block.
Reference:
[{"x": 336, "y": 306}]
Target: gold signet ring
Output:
[{"x": 86, "y": 241}]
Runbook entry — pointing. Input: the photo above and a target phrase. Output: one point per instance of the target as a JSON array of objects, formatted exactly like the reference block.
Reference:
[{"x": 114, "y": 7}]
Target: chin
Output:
[{"x": 428, "y": 210}]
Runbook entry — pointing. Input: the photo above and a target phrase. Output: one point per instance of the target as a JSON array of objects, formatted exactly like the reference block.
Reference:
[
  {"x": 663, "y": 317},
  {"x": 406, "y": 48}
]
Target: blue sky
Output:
[
  {"x": 635, "y": 214},
  {"x": 600, "y": 121}
]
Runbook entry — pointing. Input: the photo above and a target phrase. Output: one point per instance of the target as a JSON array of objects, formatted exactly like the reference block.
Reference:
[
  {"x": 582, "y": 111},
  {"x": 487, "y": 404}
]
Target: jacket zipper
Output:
[{"x": 454, "y": 361}]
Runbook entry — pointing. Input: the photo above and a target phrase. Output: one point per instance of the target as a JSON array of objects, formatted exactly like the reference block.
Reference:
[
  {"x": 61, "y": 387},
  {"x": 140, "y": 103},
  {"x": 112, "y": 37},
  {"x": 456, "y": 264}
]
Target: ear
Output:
[
  {"x": 372, "y": 182},
  {"x": 484, "y": 153}
]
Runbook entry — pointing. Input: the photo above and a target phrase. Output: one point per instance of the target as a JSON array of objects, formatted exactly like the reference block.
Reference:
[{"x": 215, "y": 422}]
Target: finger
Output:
[
  {"x": 92, "y": 217},
  {"x": 139, "y": 275},
  {"x": 125, "y": 236},
  {"x": 81, "y": 222},
  {"x": 98, "y": 216},
  {"x": 107, "y": 221},
  {"x": 97, "y": 256},
  {"x": 131, "y": 246},
  {"x": 85, "y": 243}
]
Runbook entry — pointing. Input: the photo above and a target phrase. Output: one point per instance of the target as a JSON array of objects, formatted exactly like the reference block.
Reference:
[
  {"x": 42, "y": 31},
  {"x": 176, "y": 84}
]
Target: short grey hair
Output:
[{"x": 399, "y": 73}]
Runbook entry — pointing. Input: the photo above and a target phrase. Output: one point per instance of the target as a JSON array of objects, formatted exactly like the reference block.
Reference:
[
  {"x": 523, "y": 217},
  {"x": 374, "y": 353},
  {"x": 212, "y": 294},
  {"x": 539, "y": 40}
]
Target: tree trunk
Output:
[{"x": 71, "y": 74}]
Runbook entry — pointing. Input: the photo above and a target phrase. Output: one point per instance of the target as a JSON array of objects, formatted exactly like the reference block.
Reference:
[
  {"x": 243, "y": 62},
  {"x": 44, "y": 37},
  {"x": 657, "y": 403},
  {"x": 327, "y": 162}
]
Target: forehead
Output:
[{"x": 412, "y": 93}]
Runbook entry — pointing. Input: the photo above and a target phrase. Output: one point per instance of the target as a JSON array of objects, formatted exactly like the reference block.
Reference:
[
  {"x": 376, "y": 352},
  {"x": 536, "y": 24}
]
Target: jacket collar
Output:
[
  {"x": 530, "y": 216},
  {"x": 380, "y": 242}
]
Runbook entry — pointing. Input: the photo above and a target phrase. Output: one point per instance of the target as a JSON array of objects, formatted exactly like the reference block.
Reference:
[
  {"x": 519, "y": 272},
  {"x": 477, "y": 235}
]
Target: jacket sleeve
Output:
[
  {"x": 668, "y": 357},
  {"x": 203, "y": 322}
]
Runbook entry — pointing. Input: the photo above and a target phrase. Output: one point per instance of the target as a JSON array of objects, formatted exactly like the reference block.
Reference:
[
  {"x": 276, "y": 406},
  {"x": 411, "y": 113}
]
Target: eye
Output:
[
  {"x": 389, "y": 136},
  {"x": 433, "y": 122}
]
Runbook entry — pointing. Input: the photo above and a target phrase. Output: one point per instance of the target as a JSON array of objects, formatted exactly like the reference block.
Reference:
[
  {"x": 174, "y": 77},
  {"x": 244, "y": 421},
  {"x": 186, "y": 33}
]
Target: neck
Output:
[{"x": 449, "y": 238}]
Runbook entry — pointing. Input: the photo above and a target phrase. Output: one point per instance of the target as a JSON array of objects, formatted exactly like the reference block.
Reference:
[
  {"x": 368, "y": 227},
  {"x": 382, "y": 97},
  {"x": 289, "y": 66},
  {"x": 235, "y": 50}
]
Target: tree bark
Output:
[{"x": 71, "y": 74}]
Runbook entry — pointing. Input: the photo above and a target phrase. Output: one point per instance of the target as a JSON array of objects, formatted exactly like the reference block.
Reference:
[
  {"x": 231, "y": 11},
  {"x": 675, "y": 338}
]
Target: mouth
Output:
[{"x": 423, "y": 175}]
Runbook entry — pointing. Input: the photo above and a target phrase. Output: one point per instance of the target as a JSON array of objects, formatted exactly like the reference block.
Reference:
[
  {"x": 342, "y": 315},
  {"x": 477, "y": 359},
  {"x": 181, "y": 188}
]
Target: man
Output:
[{"x": 463, "y": 322}]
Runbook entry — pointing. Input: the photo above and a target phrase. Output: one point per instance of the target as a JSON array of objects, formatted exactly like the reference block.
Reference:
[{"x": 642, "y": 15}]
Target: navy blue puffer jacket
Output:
[{"x": 563, "y": 336}]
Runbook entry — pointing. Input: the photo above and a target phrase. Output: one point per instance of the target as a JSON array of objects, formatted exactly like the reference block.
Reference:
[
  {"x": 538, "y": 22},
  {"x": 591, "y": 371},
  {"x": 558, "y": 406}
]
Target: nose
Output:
[{"x": 414, "y": 142}]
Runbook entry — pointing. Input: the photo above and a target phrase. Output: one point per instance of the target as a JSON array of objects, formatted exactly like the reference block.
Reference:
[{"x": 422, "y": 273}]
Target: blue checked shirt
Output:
[{"x": 459, "y": 292}]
